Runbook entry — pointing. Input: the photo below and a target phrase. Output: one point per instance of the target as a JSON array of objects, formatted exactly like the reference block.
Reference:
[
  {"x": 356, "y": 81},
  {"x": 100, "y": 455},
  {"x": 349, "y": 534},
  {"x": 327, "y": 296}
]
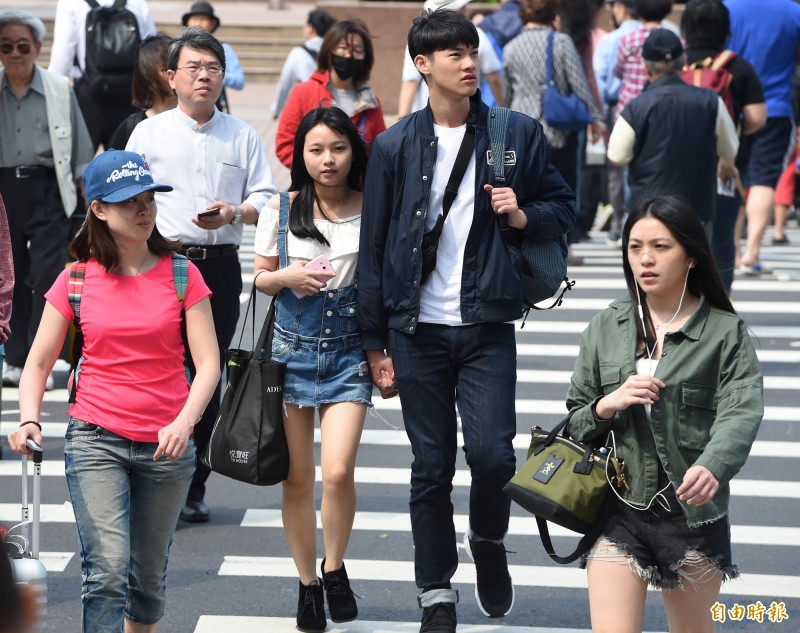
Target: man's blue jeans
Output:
[{"x": 437, "y": 368}]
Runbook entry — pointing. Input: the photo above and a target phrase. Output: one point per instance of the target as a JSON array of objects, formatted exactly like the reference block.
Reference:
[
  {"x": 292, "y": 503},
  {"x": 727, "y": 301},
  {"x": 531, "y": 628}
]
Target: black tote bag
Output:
[{"x": 248, "y": 441}]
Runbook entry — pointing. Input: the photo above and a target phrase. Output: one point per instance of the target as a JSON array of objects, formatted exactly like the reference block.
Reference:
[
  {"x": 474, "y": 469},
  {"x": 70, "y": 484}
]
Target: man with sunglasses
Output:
[
  {"x": 44, "y": 148},
  {"x": 221, "y": 179}
]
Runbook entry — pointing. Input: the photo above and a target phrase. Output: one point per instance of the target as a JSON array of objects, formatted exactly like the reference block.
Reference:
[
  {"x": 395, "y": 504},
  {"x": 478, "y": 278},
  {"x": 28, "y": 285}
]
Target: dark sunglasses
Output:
[{"x": 23, "y": 47}]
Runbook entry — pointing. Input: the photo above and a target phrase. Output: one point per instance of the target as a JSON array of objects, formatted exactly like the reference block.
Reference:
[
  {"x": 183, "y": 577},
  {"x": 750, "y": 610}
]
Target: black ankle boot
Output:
[
  {"x": 311, "y": 609},
  {"x": 340, "y": 597}
]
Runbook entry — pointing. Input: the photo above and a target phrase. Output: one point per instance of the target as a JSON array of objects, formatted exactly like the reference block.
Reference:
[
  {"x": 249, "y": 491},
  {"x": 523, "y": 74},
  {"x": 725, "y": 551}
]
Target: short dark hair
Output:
[
  {"x": 706, "y": 24},
  {"x": 343, "y": 31},
  {"x": 684, "y": 224},
  {"x": 321, "y": 21},
  {"x": 148, "y": 83},
  {"x": 653, "y": 10},
  {"x": 301, "y": 215},
  {"x": 197, "y": 39},
  {"x": 94, "y": 239},
  {"x": 538, "y": 11},
  {"x": 440, "y": 30}
]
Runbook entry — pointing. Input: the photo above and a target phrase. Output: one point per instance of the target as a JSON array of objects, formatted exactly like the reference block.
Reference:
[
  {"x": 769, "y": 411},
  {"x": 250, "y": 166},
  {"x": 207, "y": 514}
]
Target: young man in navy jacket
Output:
[{"x": 450, "y": 340}]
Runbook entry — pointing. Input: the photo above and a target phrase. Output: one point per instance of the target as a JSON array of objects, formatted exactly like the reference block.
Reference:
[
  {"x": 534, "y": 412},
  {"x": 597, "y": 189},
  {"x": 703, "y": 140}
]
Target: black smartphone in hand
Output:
[{"x": 210, "y": 213}]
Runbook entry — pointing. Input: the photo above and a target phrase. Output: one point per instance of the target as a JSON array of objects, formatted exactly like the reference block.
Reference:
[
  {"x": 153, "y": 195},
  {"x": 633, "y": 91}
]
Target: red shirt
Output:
[
  {"x": 132, "y": 380},
  {"x": 368, "y": 117}
]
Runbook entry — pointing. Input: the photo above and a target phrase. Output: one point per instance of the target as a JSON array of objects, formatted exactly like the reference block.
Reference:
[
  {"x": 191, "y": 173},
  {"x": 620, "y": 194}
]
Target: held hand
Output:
[
  {"x": 211, "y": 222},
  {"x": 504, "y": 202},
  {"x": 727, "y": 170},
  {"x": 596, "y": 130},
  {"x": 635, "y": 390},
  {"x": 699, "y": 486},
  {"x": 382, "y": 370},
  {"x": 18, "y": 438},
  {"x": 297, "y": 277},
  {"x": 173, "y": 440}
]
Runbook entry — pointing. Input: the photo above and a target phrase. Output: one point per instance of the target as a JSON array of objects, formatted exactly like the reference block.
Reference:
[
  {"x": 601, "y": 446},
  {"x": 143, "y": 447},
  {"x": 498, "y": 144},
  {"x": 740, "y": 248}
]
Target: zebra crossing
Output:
[{"x": 235, "y": 574}]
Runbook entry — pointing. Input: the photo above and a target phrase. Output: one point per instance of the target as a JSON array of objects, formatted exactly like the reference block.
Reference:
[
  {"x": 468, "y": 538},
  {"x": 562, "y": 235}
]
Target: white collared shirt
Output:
[
  {"x": 69, "y": 33},
  {"x": 219, "y": 160}
]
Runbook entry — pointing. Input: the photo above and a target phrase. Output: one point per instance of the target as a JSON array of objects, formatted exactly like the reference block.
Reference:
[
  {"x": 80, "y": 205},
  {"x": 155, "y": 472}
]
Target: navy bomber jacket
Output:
[{"x": 396, "y": 197}]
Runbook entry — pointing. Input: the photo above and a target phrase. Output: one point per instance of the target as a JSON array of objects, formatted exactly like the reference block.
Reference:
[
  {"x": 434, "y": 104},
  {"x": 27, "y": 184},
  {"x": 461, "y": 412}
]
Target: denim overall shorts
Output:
[{"x": 318, "y": 339}]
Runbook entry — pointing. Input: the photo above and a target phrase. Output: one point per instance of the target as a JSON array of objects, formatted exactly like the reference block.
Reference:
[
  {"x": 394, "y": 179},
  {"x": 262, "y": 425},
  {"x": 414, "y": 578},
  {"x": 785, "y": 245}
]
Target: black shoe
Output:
[
  {"x": 338, "y": 594},
  {"x": 311, "y": 608},
  {"x": 493, "y": 589},
  {"x": 195, "y": 512},
  {"x": 440, "y": 617}
]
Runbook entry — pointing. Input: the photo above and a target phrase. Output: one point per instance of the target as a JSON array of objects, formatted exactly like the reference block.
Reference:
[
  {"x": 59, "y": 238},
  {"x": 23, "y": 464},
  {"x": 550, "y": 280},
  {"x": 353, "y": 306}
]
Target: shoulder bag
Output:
[
  {"x": 567, "y": 483},
  {"x": 248, "y": 441},
  {"x": 563, "y": 112},
  {"x": 544, "y": 262}
]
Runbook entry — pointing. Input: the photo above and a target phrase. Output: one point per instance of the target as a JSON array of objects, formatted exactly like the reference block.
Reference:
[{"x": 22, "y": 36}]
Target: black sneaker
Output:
[
  {"x": 311, "y": 608},
  {"x": 440, "y": 617},
  {"x": 338, "y": 594},
  {"x": 493, "y": 589}
]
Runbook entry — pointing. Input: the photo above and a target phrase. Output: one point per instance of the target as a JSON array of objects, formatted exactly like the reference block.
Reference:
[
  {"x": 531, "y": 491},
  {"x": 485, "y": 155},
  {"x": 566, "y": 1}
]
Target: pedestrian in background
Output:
[
  {"x": 201, "y": 15},
  {"x": 316, "y": 336},
  {"x": 152, "y": 93},
  {"x": 129, "y": 451},
  {"x": 671, "y": 373},
  {"x": 221, "y": 180},
  {"x": 301, "y": 62},
  {"x": 343, "y": 67},
  {"x": 44, "y": 148},
  {"x": 6, "y": 283}
]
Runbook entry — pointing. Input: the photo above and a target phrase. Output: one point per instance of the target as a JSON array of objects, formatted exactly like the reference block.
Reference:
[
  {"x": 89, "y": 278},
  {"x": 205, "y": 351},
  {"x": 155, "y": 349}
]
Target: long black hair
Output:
[
  {"x": 704, "y": 278},
  {"x": 301, "y": 213}
]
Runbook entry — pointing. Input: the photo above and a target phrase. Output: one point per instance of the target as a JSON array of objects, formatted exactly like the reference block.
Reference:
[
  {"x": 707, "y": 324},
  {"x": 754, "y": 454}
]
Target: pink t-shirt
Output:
[{"x": 132, "y": 380}]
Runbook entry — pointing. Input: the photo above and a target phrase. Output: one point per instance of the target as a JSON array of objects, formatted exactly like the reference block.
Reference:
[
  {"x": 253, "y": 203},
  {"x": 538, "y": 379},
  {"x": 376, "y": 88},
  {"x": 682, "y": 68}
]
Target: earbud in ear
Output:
[{"x": 691, "y": 263}]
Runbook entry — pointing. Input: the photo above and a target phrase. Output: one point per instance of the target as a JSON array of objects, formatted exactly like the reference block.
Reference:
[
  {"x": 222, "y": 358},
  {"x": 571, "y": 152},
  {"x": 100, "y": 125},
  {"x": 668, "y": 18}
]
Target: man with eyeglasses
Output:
[
  {"x": 44, "y": 148},
  {"x": 221, "y": 179}
]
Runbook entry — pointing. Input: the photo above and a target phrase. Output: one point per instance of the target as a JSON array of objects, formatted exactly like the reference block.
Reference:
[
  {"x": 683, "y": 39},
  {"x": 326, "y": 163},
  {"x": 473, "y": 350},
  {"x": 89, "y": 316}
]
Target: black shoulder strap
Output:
[
  {"x": 465, "y": 152},
  {"x": 314, "y": 54},
  {"x": 93, "y": 4},
  {"x": 587, "y": 540}
]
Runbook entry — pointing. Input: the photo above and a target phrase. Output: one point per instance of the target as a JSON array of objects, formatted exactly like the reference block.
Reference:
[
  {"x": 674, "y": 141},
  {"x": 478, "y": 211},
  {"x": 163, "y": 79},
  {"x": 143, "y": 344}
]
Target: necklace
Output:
[{"x": 141, "y": 264}]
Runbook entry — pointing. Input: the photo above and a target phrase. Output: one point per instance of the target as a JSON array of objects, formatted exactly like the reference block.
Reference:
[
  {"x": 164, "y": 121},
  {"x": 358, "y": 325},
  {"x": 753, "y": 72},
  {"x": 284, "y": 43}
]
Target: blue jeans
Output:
[
  {"x": 126, "y": 509},
  {"x": 722, "y": 241},
  {"x": 437, "y": 368}
]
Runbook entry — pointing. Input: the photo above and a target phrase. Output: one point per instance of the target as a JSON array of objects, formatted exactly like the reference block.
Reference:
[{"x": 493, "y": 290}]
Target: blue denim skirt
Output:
[{"x": 322, "y": 371}]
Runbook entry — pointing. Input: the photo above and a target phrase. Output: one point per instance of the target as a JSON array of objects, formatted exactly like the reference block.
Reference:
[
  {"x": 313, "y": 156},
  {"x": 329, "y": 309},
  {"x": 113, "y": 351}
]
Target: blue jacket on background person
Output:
[{"x": 400, "y": 168}]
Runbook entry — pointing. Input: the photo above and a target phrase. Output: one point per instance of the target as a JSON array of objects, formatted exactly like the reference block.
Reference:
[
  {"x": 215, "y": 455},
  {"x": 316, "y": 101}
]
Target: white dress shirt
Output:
[
  {"x": 69, "y": 33},
  {"x": 219, "y": 160}
]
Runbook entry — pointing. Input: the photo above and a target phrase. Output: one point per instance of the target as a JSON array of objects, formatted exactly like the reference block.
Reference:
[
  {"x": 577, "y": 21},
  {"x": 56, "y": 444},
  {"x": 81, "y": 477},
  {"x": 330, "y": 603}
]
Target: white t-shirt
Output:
[
  {"x": 342, "y": 252},
  {"x": 440, "y": 295},
  {"x": 486, "y": 55}
]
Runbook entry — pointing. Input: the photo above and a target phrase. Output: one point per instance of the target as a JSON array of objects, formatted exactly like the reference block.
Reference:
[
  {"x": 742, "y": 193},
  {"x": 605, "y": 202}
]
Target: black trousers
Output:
[
  {"x": 223, "y": 276},
  {"x": 39, "y": 231},
  {"x": 565, "y": 160},
  {"x": 102, "y": 116}
]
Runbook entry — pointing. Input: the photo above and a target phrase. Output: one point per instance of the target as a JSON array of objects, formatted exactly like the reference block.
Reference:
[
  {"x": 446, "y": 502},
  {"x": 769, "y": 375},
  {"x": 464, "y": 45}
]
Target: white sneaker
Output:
[
  {"x": 11, "y": 375},
  {"x": 48, "y": 385}
]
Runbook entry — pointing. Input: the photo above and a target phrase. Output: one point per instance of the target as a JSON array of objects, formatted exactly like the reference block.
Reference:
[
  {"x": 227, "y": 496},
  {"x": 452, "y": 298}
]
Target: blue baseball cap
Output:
[{"x": 116, "y": 176}]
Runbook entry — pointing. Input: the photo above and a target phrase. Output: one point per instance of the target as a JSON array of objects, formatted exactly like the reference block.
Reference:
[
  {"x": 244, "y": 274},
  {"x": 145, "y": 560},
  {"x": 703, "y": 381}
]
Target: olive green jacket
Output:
[{"x": 708, "y": 413}]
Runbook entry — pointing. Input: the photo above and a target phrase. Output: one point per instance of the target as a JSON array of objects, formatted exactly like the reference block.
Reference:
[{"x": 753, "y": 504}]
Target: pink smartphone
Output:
[{"x": 318, "y": 263}]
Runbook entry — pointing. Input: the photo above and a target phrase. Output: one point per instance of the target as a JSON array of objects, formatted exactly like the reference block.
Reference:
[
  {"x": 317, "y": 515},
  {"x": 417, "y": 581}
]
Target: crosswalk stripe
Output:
[
  {"x": 255, "y": 624},
  {"x": 762, "y": 488},
  {"x": 519, "y": 526},
  {"x": 763, "y": 585},
  {"x": 378, "y": 437},
  {"x": 530, "y": 349}
]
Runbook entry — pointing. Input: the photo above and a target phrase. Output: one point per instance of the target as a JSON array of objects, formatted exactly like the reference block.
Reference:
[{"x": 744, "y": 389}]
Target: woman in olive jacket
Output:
[{"x": 671, "y": 372}]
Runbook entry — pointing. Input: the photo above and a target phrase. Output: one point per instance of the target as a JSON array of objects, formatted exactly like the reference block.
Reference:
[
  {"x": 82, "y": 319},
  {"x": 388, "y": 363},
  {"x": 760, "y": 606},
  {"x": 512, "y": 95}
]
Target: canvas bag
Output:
[
  {"x": 712, "y": 73},
  {"x": 567, "y": 483},
  {"x": 544, "y": 266},
  {"x": 112, "y": 39},
  {"x": 248, "y": 441},
  {"x": 562, "y": 112}
]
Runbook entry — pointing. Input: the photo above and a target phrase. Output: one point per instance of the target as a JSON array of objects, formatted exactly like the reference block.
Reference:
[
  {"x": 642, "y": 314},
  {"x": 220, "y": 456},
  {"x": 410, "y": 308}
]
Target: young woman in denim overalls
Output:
[{"x": 316, "y": 336}]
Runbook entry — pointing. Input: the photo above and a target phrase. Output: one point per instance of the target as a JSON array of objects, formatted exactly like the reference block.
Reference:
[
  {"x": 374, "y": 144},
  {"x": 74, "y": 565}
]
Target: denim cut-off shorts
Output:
[
  {"x": 660, "y": 547},
  {"x": 322, "y": 371}
]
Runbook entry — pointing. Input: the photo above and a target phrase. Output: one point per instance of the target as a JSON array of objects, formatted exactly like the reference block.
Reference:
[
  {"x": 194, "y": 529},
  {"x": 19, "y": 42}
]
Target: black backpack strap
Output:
[
  {"x": 93, "y": 4},
  {"x": 314, "y": 54}
]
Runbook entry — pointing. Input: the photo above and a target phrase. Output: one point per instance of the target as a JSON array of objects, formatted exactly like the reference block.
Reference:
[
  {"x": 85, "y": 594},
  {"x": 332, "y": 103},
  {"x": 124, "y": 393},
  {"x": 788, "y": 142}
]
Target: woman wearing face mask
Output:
[{"x": 344, "y": 64}]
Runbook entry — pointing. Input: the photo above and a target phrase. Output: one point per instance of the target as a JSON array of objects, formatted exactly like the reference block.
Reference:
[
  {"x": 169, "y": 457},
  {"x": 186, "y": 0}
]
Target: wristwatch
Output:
[{"x": 237, "y": 216}]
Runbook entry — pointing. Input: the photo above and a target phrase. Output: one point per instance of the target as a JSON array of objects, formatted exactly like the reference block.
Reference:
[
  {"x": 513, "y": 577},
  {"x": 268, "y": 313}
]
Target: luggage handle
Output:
[{"x": 37, "y": 452}]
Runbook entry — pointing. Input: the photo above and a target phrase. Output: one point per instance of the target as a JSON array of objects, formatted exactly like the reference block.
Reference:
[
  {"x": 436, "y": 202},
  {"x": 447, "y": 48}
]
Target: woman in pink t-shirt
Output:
[{"x": 129, "y": 449}]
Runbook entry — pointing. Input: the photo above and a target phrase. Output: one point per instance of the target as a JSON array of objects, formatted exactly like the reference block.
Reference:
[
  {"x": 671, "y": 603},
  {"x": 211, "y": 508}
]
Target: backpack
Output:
[
  {"x": 112, "y": 39},
  {"x": 711, "y": 73},
  {"x": 77, "y": 273},
  {"x": 544, "y": 262}
]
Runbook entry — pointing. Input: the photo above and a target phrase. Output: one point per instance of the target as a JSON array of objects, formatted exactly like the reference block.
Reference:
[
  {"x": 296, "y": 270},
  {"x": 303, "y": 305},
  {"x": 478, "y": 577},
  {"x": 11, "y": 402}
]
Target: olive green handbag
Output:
[{"x": 568, "y": 483}]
